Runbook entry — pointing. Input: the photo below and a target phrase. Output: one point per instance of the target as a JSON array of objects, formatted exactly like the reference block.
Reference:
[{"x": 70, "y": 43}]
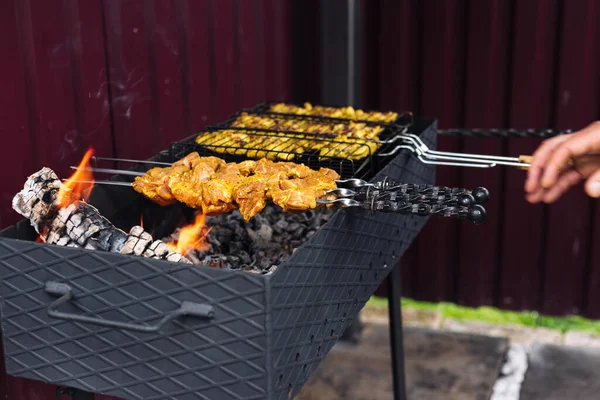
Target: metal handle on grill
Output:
[{"x": 66, "y": 293}]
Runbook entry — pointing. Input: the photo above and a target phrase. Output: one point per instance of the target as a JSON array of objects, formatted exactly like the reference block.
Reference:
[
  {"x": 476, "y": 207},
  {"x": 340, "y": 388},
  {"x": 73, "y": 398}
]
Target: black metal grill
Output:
[{"x": 268, "y": 333}]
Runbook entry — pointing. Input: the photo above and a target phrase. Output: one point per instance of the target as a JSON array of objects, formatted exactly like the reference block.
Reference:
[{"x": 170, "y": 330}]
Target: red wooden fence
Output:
[{"x": 128, "y": 77}]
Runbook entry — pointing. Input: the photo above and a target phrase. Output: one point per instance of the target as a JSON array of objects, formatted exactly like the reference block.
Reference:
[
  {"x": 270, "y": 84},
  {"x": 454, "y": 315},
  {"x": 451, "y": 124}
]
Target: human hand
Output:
[{"x": 562, "y": 162}]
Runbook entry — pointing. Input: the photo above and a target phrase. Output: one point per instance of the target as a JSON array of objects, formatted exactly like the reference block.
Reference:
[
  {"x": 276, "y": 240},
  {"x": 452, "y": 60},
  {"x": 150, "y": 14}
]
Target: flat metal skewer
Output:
[
  {"x": 110, "y": 171},
  {"x": 131, "y": 161},
  {"x": 114, "y": 183}
]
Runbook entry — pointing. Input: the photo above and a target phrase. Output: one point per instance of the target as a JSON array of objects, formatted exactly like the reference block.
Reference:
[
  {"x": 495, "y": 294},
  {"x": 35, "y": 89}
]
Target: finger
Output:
[
  {"x": 536, "y": 196},
  {"x": 592, "y": 185},
  {"x": 540, "y": 157},
  {"x": 582, "y": 143},
  {"x": 564, "y": 183}
]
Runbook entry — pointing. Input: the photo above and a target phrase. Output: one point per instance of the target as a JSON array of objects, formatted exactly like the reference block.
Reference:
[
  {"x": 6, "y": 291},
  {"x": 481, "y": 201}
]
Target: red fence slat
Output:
[
  {"x": 169, "y": 55},
  {"x": 224, "y": 57},
  {"x": 277, "y": 38},
  {"x": 532, "y": 92},
  {"x": 441, "y": 86},
  {"x": 128, "y": 45},
  {"x": 572, "y": 220},
  {"x": 251, "y": 53},
  {"x": 15, "y": 129},
  {"x": 576, "y": 105},
  {"x": 485, "y": 107},
  {"x": 399, "y": 51},
  {"x": 196, "y": 17}
]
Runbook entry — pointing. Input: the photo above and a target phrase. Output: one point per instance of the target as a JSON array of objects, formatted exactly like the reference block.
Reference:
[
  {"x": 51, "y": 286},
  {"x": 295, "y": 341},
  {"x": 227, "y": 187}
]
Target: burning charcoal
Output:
[
  {"x": 265, "y": 233},
  {"x": 293, "y": 227},
  {"x": 76, "y": 224},
  {"x": 214, "y": 242},
  {"x": 176, "y": 257},
  {"x": 234, "y": 261},
  {"x": 299, "y": 233},
  {"x": 280, "y": 225},
  {"x": 195, "y": 257},
  {"x": 244, "y": 257}
]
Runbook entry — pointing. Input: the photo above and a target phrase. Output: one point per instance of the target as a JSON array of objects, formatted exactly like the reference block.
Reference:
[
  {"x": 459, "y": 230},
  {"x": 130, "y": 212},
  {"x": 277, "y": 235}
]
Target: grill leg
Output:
[{"x": 396, "y": 339}]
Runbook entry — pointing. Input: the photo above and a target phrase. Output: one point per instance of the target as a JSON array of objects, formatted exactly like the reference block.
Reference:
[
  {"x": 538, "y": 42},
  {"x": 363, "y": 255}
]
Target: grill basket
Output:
[{"x": 268, "y": 333}]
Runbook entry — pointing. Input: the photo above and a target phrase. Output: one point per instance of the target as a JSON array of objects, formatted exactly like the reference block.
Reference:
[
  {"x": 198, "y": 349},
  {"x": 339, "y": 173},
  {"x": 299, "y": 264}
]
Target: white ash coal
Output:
[
  {"x": 79, "y": 224},
  {"x": 259, "y": 245}
]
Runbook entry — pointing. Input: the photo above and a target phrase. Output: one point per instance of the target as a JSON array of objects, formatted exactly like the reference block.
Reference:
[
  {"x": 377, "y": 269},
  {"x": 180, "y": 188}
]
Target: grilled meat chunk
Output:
[
  {"x": 216, "y": 187},
  {"x": 334, "y": 112}
]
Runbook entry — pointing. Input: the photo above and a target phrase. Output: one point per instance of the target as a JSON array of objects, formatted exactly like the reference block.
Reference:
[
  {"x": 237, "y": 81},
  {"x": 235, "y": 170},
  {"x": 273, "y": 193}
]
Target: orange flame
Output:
[
  {"x": 79, "y": 185},
  {"x": 191, "y": 237},
  {"x": 142, "y": 221}
]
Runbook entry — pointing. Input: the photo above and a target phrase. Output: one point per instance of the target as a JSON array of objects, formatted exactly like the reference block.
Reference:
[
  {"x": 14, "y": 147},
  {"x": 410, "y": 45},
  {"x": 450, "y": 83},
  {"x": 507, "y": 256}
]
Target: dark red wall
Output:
[
  {"x": 494, "y": 64},
  {"x": 128, "y": 77}
]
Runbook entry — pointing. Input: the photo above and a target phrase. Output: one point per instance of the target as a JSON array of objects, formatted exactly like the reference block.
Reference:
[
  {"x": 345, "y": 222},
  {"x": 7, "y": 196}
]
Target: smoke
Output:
[{"x": 125, "y": 95}]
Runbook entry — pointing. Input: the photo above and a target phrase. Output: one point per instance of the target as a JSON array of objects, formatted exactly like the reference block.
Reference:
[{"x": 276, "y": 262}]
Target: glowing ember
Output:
[
  {"x": 191, "y": 237},
  {"x": 79, "y": 185}
]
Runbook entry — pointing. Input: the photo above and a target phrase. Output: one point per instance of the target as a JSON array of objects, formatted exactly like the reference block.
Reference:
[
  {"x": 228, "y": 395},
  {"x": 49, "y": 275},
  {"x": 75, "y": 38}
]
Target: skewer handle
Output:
[
  {"x": 523, "y": 159},
  {"x": 529, "y": 159}
]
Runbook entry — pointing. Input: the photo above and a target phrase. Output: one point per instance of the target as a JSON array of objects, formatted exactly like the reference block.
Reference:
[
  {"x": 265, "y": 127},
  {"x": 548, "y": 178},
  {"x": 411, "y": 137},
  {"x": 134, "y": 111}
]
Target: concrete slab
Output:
[
  {"x": 515, "y": 333},
  {"x": 582, "y": 339},
  {"x": 562, "y": 372},
  {"x": 439, "y": 365},
  {"x": 410, "y": 317}
]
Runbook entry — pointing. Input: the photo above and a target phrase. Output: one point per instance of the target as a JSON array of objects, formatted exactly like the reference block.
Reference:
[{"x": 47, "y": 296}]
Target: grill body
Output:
[{"x": 268, "y": 334}]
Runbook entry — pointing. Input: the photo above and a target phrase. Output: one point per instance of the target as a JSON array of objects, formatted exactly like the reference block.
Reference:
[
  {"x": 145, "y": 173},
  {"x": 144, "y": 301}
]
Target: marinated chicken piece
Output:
[
  {"x": 320, "y": 128},
  {"x": 334, "y": 112},
  {"x": 250, "y": 195},
  {"x": 155, "y": 184},
  {"x": 247, "y": 185},
  {"x": 159, "y": 184},
  {"x": 257, "y": 144}
]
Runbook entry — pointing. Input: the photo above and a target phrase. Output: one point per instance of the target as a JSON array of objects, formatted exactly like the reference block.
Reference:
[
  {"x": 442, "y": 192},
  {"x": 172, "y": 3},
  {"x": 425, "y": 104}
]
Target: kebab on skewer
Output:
[{"x": 217, "y": 187}]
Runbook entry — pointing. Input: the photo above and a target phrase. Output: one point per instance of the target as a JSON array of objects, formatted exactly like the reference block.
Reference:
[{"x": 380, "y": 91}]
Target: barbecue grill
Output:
[{"x": 142, "y": 328}]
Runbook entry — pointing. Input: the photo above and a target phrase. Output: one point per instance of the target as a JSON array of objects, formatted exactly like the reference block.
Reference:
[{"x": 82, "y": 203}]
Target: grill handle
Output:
[{"x": 66, "y": 294}]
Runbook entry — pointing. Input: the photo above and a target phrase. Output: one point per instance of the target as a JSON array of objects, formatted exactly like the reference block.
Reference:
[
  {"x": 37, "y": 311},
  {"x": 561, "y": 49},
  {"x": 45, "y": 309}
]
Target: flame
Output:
[
  {"x": 73, "y": 189},
  {"x": 191, "y": 237},
  {"x": 39, "y": 239},
  {"x": 142, "y": 221}
]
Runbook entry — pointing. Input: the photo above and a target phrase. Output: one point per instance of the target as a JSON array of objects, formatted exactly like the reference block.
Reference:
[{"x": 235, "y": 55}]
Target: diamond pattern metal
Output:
[{"x": 269, "y": 332}]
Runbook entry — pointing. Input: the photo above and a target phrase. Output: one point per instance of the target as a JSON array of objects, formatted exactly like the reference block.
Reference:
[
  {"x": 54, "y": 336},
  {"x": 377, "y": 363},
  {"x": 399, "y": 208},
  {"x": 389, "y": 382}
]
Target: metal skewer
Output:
[
  {"x": 383, "y": 196},
  {"x": 414, "y": 144},
  {"x": 110, "y": 171}
]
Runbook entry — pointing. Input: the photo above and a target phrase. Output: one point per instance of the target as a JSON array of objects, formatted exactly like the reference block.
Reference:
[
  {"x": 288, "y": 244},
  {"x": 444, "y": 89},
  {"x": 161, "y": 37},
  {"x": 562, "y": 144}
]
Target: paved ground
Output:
[
  {"x": 448, "y": 359},
  {"x": 562, "y": 372},
  {"x": 439, "y": 365}
]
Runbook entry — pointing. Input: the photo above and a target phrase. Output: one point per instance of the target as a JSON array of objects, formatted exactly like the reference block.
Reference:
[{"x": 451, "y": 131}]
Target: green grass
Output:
[{"x": 495, "y": 316}]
